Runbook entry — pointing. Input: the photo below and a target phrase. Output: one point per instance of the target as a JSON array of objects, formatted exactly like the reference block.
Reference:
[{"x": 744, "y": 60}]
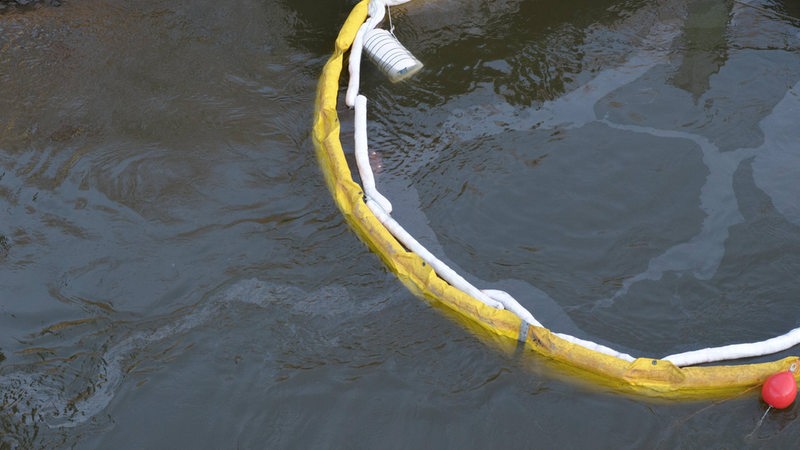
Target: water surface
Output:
[{"x": 174, "y": 273}]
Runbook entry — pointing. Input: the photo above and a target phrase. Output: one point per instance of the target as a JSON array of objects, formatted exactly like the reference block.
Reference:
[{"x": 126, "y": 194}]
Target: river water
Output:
[{"x": 174, "y": 274}]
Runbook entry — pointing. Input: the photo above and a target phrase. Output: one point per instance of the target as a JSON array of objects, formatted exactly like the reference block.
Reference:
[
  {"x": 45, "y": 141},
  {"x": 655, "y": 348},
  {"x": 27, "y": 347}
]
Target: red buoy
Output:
[{"x": 780, "y": 390}]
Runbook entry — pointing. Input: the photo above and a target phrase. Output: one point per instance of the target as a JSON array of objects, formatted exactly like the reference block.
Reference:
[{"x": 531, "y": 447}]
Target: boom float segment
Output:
[{"x": 649, "y": 377}]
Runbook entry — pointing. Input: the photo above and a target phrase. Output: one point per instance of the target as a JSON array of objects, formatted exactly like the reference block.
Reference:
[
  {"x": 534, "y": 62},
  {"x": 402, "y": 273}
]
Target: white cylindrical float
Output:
[{"x": 392, "y": 58}]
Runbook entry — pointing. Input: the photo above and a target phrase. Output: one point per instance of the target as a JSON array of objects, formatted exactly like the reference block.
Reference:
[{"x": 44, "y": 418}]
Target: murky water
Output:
[{"x": 174, "y": 273}]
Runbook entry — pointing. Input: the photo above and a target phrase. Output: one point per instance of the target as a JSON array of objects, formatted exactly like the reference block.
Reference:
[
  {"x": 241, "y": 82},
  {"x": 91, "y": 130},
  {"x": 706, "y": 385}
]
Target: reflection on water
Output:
[
  {"x": 704, "y": 46},
  {"x": 174, "y": 274}
]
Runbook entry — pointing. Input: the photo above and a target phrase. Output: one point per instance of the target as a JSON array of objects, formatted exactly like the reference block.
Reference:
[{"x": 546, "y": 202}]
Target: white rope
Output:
[
  {"x": 442, "y": 269},
  {"x": 389, "y": 14},
  {"x": 362, "y": 156},
  {"x": 512, "y": 305},
  {"x": 376, "y": 11},
  {"x": 737, "y": 351},
  {"x": 596, "y": 347}
]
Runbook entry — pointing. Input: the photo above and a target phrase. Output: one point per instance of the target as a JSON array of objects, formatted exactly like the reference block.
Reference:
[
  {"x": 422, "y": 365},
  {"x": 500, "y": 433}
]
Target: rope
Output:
[
  {"x": 737, "y": 351},
  {"x": 389, "y": 14}
]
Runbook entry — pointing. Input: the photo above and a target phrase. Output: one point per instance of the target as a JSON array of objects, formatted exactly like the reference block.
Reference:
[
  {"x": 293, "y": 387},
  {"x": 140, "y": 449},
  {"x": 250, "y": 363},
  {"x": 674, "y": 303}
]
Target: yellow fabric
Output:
[{"x": 644, "y": 376}]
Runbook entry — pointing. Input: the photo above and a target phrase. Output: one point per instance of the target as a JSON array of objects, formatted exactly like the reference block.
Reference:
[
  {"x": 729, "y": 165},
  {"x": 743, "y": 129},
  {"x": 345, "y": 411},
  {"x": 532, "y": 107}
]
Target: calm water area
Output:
[{"x": 175, "y": 274}]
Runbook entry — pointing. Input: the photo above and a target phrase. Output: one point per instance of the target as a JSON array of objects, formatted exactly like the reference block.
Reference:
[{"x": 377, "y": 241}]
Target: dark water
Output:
[{"x": 175, "y": 275}]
